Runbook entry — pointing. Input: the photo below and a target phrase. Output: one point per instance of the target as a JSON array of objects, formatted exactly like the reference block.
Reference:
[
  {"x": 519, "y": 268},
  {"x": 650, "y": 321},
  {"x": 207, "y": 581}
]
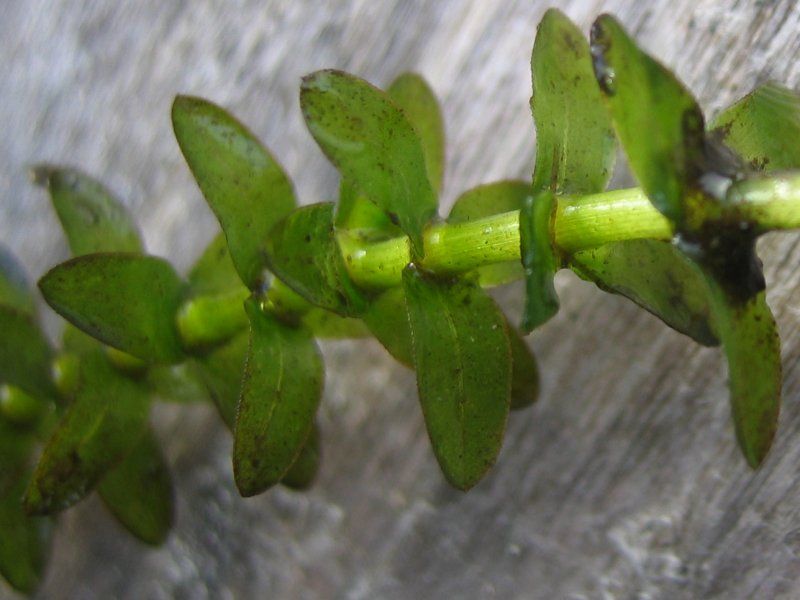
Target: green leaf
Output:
[
  {"x": 24, "y": 540},
  {"x": 575, "y": 147},
  {"x": 387, "y": 319},
  {"x": 138, "y": 492},
  {"x": 241, "y": 181},
  {"x": 524, "y": 372},
  {"x": 484, "y": 201},
  {"x": 539, "y": 259},
  {"x": 303, "y": 252},
  {"x": 374, "y": 146},
  {"x": 413, "y": 94},
  {"x": 15, "y": 292},
  {"x": 127, "y": 301},
  {"x": 356, "y": 213},
  {"x": 304, "y": 470},
  {"x": 281, "y": 390},
  {"x": 221, "y": 370},
  {"x": 92, "y": 218},
  {"x": 214, "y": 273},
  {"x": 763, "y": 128},
  {"x": 327, "y": 325},
  {"x": 463, "y": 362},
  {"x": 102, "y": 425},
  {"x": 25, "y": 354},
  {"x": 753, "y": 349},
  {"x": 657, "y": 120},
  {"x": 658, "y": 277}
]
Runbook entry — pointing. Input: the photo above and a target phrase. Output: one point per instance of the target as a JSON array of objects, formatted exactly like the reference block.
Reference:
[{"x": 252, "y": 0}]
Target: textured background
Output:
[{"x": 623, "y": 482}]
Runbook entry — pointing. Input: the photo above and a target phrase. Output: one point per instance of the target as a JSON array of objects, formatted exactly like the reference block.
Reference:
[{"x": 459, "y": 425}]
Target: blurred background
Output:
[{"x": 624, "y": 481}]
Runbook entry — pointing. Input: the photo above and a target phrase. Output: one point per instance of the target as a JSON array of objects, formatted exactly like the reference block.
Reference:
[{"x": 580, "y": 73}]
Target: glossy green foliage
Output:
[
  {"x": 658, "y": 277},
  {"x": 104, "y": 422},
  {"x": 304, "y": 470},
  {"x": 24, "y": 540},
  {"x": 355, "y": 212},
  {"x": 752, "y": 347},
  {"x": 14, "y": 289},
  {"x": 24, "y": 353},
  {"x": 302, "y": 251},
  {"x": 387, "y": 319},
  {"x": 244, "y": 185},
  {"x": 281, "y": 390},
  {"x": 413, "y": 94},
  {"x": 486, "y": 200},
  {"x": 374, "y": 146},
  {"x": 575, "y": 146},
  {"x": 91, "y": 217},
  {"x": 539, "y": 259},
  {"x": 138, "y": 491},
  {"x": 763, "y": 128},
  {"x": 524, "y": 372},
  {"x": 124, "y": 300},
  {"x": 220, "y": 370},
  {"x": 657, "y": 120},
  {"x": 214, "y": 273},
  {"x": 462, "y": 357}
]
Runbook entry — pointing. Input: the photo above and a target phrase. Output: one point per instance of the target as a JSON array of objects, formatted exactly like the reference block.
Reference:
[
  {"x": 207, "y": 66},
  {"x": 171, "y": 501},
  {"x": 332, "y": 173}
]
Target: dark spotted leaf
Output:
[
  {"x": 303, "y": 252},
  {"x": 658, "y": 277},
  {"x": 281, "y": 390},
  {"x": 374, "y": 146},
  {"x": 124, "y": 300},
  {"x": 302, "y": 473},
  {"x": 413, "y": 94},
  {"x": 138, "y": 492},
  {"x": 763, "y": 128},
  {"x": 91, "y": 217},
  {"x": 462, "y": 358},
  {"x": 657, "y": 120},
  {"x": 242, "y": 183},
  {"x": 484, "y": 201},
  {"x": 102, "y": 425}
]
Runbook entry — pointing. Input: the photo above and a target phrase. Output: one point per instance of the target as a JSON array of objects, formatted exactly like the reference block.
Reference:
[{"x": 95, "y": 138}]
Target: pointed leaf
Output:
[
  {"x": 763, "y": 128},
  {"x": 484, "y": 201},
  {"x": 303, "y": 252},
  {"x": 25, "y": 354},
  {"x": 413, "y": 94},
  {"x": 524, "y": 372},
  {"x": 305, "y": 468},
  {"x": 539, "y": 259},
  {"x": 753, "y": 349},
  {"x": 657, "y": 120},
  {"x": 387, "y": 319},
  {"x": 241, "y": 181},
  {"x": 138, "y": 492},
  {"x": 102, "y": 425},
  {"x": 15, "y": 290},
  {"x": 281, "y": 390},
  {"x": 463, "y": 362},
  {"x": 374, "y": 146},
  {"x": 221, "y": 371},
  {"x": 91, "y": 217},
  {"x": 124, "y": 300},
  {"x": 214, "y": 273},
  {"x": 575, "y": 147},
  {"x": 658, "y": 277}
]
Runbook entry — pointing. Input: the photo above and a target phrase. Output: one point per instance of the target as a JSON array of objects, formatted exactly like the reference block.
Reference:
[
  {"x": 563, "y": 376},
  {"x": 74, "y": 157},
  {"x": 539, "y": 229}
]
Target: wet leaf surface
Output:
[
  {"x": 281, "y": 390},
  {"x": 370, "y": 140},
  {"x": 462, "y": 358},
  {"x": 241, "y": 181},
  {"x": 124, "y": 300}
]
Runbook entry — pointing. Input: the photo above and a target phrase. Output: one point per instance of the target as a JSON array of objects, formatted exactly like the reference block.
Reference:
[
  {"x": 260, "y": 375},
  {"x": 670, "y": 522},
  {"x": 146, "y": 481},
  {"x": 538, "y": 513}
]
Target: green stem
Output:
[{"x": 579, "y": 222}]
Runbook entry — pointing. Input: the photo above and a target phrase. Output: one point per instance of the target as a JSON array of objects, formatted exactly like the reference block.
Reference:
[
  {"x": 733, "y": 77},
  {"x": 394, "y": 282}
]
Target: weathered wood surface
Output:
[{"x": 623, "y": 482}]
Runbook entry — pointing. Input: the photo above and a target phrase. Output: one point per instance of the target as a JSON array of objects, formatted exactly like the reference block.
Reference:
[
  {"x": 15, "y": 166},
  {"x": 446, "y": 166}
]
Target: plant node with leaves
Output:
[{"x": 240, "y": 329}]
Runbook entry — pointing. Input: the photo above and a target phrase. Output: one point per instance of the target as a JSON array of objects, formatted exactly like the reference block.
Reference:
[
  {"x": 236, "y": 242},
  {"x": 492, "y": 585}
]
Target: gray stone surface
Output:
[{"x": 623, "y": 482}]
